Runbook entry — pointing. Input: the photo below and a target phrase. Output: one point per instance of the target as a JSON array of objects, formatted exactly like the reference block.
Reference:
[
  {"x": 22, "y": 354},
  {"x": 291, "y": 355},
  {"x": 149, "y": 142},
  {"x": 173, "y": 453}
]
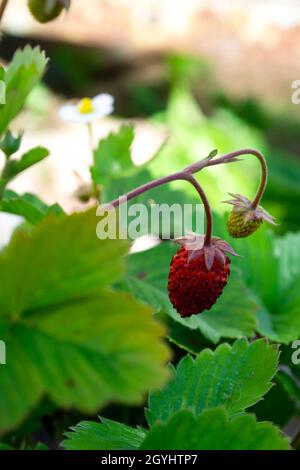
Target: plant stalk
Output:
[
  {"x": 3, "y": 184},
  {"x": 179, "y": 175},
  {"x": 187, "y": 175},
  {"x": 207, "y": 208},
  {"x": 91, "y": 138},
  {"x": 264, "y": 168},
  {"x": 3, "y": 5}
]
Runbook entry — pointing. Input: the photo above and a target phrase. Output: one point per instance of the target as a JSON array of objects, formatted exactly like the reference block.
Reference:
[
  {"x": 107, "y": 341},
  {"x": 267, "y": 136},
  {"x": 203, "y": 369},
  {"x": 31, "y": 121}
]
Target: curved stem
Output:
[
  {"x": 263, "y": 181},
  {"x": 143, "y": 188},
  {"x": 3, "y": 5},
  {"x": 264, "y": 168},
  {"x": 180, "y": 175},
  {"x": 187, "y": 175},
  {"x": 208, "y": 214}
]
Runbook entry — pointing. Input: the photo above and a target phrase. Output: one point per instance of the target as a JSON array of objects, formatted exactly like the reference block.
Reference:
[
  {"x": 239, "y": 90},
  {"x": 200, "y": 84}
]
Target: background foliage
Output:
[{"x": 88, "y": 325}]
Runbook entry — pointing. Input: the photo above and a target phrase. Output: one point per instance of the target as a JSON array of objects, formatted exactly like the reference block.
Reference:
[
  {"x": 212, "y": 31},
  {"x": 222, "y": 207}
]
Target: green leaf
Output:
[
  {"x": 284, "y": 177},
  {"x": 45, "y": 10},
  {"x": 68, "y": 338},
  {"x": 291, "y": 383},
  {"x": 213, "y": 430},
  {"x": 289, "y": 372},
  {"x": 10, "y": 144},
  {"x": 13, "y": 166},
  {"x": 30, "y": 158},
  {"x": 28, "y": 206},
  {"x": 80, "y": 357},
  {"x": 112, "y": 157},
  {"x": 41, "y": 446},
  {"x": 271, "y": 269},
  {"x": 4, "y": 446},
  {"x": 235, "y": 377},
  {"x": 2, "y": 72},
  {"x": 109, "y": 435},
  {"x": 38, "y": 446},
  {"x": 23, "y": 73},
  {"x": 121, "y": 184},
  {"x": 212, "y": 154},
  {"x": 193, "y": 135},
  {"x": 191, "y": 341},
  {"x": 233, "y": 316},
  {"x": 66, "y": 261},
  {"x": 288, "y": 250}
]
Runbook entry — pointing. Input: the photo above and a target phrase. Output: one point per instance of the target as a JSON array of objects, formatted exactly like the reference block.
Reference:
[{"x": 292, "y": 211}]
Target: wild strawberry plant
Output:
[
  {"x": 87, "y": 323},
  {"x": 202, "y": 407}
]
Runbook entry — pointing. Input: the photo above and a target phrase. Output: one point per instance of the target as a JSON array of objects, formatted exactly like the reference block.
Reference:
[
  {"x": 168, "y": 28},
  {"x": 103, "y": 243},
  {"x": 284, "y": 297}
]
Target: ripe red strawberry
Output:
[
  {"x": 198, "y": 275},
  {"x": 244, "y": 219}
]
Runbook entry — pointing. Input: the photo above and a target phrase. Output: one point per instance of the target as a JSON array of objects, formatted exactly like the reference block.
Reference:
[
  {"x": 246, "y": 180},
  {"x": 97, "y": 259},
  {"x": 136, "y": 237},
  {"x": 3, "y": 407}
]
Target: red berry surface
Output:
[{"x": 192, "y": 287}]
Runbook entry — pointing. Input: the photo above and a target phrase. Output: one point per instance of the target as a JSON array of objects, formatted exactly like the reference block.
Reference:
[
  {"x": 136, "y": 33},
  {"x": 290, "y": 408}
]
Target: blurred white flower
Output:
[{"x": 88, "y": 110}]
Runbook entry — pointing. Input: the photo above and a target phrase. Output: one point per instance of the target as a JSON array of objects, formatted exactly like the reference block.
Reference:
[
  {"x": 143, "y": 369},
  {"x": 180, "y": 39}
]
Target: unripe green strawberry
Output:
[
  {"x": 244, "y": 218},
  {"x": 238, "y": 228},
  {"x": 46, "y": 10}
]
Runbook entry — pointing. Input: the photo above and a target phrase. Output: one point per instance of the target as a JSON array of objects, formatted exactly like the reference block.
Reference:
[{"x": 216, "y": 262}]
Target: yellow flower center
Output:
[{"x": 85, "y": 106}]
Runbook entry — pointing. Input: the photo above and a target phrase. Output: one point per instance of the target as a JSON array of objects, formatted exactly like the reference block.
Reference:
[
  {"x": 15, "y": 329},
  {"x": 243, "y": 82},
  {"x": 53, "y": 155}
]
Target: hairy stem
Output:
[
  {"x": 264, "y": 168},
  {"x": 187, "y": 175},
  {"x": 3, "y": 5},
  {"x": 263, "y": 181},
  {"x": 180, "y": 175},
  {"x": 208, "y": 214},
  {"x": 2, "y": 188}
]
